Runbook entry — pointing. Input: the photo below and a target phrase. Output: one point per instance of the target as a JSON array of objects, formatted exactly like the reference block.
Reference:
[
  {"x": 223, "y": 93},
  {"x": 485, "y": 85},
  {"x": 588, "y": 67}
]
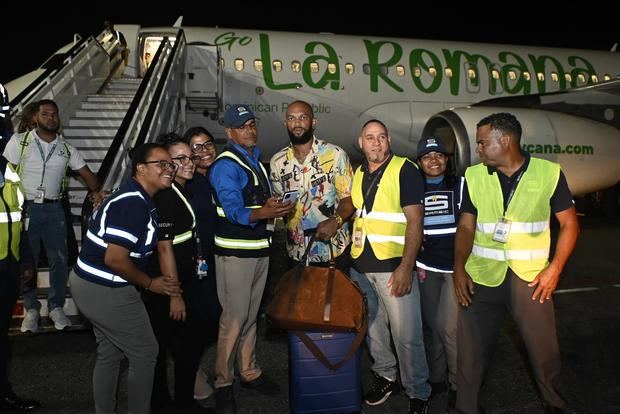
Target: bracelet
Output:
[
  {"x": 338, "y": 219},
  {"x": 150, "y": 283}
]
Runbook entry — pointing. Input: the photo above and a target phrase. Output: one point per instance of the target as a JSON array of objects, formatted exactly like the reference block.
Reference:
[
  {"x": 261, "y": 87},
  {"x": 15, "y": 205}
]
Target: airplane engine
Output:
[{"x": 587, "y": 150}]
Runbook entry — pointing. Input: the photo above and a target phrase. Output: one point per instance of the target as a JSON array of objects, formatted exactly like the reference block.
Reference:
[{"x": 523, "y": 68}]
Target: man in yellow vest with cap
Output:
[
  {"x": 388, "y": 193},
  {"x": 501, "y": 258},
  {"x": 14, "y": 254}
]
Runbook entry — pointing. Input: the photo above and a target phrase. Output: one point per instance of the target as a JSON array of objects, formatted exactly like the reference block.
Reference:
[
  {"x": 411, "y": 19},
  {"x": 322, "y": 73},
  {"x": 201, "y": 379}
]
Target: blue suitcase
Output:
[{"x": 313, "y": 388}]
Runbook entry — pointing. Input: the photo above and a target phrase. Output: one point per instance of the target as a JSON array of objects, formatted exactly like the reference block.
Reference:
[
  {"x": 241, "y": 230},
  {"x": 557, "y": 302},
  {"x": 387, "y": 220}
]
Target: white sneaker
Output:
[
  {"x": 202, "y": 389},
  {"x": 31, "y": 321},
  {"x": 60, "y": 319}
]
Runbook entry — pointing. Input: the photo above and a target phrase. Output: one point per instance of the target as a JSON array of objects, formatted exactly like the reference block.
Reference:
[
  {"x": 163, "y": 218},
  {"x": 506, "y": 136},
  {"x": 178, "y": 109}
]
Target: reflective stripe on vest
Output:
[
  {"x": 185, "y": 236},
  {"x": 11, "y": 204},
  {"x": 384, "y": 226},
  {"x": 242, "y": 244},
  {"x": 228, "y": 154},
  {"x": 526, "y": 250}
]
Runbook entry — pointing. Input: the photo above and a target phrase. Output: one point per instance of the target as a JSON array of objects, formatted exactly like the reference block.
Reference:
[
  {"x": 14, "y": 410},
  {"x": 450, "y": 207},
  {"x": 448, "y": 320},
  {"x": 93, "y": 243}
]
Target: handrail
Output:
[{"x": 46, "y": 77}]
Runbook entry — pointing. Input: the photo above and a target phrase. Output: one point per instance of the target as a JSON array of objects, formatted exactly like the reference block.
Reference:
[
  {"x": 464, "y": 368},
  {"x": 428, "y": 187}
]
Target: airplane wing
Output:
[{"x": 600, "y": 102}]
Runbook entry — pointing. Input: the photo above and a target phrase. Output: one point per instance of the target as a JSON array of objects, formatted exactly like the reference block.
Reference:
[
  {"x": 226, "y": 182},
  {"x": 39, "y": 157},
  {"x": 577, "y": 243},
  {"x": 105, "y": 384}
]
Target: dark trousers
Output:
[
  {"x": 184, "y": 340},
  {"x": 478, "y": 329},
  {"x": 9, "y": 292}
]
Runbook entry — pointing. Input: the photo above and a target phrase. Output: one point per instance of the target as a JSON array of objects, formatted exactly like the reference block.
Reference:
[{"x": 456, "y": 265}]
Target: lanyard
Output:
[
  {"x": 513, "y": 189},
  {"x": 45, "y": 160},
  {"x": 365, "y": 195}
]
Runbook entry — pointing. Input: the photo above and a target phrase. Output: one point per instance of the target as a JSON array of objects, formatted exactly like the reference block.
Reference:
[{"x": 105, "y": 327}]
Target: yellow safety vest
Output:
[
  {"x": 385, "y": 224},
  {"x": 526, "y": 251},
  {"x": 11, "y": 205}
]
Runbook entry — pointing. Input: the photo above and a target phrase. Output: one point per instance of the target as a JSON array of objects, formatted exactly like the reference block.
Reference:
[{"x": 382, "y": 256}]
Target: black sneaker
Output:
[
  {"x": 263, "y": 385},
  {"x": 225, "y": 400},
  {"x": 417, "y": 406},
  {"x": 380, "y": 390}
]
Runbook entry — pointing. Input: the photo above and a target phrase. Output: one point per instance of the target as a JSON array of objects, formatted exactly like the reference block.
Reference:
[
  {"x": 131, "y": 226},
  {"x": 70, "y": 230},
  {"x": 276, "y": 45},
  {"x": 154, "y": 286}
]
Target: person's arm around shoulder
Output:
[
  {"x": 117, "y": 258},
  {"x": 463, "y": 243},
  {"x": 547, "y": 280}
]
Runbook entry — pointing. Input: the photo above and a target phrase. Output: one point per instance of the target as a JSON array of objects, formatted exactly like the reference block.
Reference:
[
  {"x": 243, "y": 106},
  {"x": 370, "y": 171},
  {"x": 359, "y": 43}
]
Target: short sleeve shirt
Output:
[
  {"x": 32, "y": 160},
  {"x": 322, "y": 180}
]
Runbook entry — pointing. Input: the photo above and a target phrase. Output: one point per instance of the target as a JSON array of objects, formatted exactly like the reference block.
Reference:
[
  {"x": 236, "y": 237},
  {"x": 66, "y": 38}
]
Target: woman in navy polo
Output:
[{"x": 121, "y": 235}]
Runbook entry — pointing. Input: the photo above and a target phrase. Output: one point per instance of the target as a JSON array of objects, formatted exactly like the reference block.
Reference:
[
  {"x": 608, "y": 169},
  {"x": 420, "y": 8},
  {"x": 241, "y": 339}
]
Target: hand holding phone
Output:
[{"x": 290, "y": 197}]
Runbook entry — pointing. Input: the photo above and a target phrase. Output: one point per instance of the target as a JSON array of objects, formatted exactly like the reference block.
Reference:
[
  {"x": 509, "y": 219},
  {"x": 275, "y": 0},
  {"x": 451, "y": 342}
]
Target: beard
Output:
[{"x": 304, "y": 138}]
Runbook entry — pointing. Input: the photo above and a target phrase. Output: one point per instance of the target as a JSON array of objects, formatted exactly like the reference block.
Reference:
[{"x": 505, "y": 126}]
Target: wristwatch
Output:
[{"x": 338, "y": 220}]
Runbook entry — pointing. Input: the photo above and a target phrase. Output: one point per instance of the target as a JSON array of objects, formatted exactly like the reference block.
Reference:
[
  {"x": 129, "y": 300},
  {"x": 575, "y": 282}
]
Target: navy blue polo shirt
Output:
[{"x": 126, "y": 218}]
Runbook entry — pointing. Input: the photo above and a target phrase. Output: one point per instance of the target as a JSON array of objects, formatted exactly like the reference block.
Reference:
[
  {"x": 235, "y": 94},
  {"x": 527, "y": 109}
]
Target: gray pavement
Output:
[{"x": 56, "y": 368}]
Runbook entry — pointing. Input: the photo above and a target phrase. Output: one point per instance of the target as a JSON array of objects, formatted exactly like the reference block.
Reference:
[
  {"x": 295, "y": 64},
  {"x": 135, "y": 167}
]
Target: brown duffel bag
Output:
[{"x": 321, "y": 299}]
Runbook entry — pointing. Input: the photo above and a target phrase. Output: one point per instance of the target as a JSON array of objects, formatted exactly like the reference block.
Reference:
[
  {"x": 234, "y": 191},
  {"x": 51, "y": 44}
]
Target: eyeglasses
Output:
[
  {"x": 204, "y": 146},
  {"x": 247, "y": 127},
  {"x": 163, "y": 164},
  {"x": 185, "y": 160}
]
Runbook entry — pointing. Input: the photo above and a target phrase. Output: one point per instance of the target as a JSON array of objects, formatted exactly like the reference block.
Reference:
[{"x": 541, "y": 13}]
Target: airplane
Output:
[
  {"x": 567, "y": 100},
  {"x": 178, "y": 77}
]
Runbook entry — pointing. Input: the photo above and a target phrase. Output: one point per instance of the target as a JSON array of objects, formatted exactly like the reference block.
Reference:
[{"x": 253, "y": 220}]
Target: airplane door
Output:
[{"x": 203, "y": 86}]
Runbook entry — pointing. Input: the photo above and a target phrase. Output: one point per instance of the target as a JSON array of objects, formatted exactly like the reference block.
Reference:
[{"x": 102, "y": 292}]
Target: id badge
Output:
[
  {"x": 202, "y": 268},
  {"x": 502, "y": 230},
  {"x": 39, "y": 196},
  {"x": 358, "y": 237}
]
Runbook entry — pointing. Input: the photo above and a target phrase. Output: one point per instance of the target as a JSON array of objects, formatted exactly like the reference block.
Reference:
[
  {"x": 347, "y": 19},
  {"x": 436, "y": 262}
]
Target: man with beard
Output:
[
  {"x": 42, "y": 157},
  {"x": 321, "y": 174}
]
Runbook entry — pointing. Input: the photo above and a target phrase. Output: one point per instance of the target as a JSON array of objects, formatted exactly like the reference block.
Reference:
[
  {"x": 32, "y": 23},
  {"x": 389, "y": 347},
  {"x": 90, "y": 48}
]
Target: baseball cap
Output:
[
  {"x": 430, "y": 144},
  {"x": 237, "y": 115}
]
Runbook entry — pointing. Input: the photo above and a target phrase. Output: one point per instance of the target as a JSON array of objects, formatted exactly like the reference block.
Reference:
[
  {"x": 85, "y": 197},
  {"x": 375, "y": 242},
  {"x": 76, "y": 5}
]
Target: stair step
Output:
[
  {"x": 105, "y": 105},
  {"x": 96, "y": 122},
  {"x": 93, "y": 113},
  {"x": 94, "y": 132},
  {"x": 119, "y": 98}
]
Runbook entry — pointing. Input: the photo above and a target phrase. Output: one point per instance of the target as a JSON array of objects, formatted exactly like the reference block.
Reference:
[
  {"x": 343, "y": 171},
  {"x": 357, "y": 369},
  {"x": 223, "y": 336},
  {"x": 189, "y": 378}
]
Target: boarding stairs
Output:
[{"x": 104, "y": 116}]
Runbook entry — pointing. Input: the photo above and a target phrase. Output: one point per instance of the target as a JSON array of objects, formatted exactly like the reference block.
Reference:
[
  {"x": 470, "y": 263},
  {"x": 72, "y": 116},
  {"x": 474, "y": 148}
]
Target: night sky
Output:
[{"x": 33, "y": 37}]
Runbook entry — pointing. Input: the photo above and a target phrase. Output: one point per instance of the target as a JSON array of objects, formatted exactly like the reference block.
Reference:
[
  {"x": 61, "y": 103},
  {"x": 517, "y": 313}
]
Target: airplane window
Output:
[
  {"x": 400, "y": 70},
  {"x": 331, "y": 68},
  {"x": 382, "y": 68},
  {"x": 448, "y": 72},
  {"x": 568, "y": 77},
  {"x": 581, "y": 78},
  {"x": 495, "y": 74},
  {"x": 222, "y": 63},
  {"x": 258, "y": 65},
  {"x": 607, "y": 77},
  {"x": 555, "y": 77},
  {"x": 540, "y": 76},
  {"x": 295, "y": 66},
  {"x": 417, "y": 72},
  {"x": 432, "y": 71},
  {"x": 277, "y": 65},
  {"x": 314, "y": 67},
  {"x": 471, "y": 73},
  {"x": 594, "y": 78},
  {"x": 512, "y": 75},
  {"x": 527, "y": 76},
  {"x": 239, "y": 64},
  {"x": 349, "y": 68}
]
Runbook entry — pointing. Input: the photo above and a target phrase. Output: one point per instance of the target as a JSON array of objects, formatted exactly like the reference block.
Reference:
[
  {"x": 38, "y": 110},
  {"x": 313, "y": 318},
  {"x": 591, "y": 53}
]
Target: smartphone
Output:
[{"x": 290, "y": 196}]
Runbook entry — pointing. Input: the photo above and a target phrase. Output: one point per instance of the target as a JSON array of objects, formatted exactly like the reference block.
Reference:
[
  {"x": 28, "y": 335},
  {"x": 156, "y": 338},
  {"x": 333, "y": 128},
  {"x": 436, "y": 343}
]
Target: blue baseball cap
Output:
[
  {"x": 430, "y": 144},
  {"x": 237, "y": 115}
]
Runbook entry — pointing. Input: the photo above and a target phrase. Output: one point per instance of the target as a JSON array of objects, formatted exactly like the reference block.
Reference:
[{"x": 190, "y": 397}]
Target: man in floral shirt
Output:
[{"x": 321, "y": 174}]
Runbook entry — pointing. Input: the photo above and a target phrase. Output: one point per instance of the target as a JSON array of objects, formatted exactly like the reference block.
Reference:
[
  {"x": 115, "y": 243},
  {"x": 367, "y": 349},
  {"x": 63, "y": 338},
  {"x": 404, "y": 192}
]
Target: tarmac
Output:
[{"x": 57, "y": 368}]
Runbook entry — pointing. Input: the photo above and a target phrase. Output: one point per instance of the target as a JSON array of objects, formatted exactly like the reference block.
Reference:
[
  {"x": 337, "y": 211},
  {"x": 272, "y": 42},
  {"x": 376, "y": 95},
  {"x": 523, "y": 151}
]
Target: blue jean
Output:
[
  {"x": 47, "y": 224},
  {"x": 401, "y": 319}
]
